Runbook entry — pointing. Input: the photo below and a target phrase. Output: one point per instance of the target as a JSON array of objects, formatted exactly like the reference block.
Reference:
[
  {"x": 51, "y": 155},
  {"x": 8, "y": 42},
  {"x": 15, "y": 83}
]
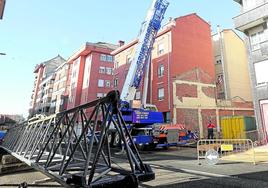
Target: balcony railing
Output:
[{"x": 251, "y": 18}]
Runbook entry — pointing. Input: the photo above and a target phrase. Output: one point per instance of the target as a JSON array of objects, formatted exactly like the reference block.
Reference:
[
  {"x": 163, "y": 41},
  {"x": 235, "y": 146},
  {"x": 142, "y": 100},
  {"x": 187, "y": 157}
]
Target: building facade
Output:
[
  {"x": 91, "y": 73},
  {"x": 231, "y": 64},
  {"x": 252, "y": 21},
  {"x": 43, "y": 86}
]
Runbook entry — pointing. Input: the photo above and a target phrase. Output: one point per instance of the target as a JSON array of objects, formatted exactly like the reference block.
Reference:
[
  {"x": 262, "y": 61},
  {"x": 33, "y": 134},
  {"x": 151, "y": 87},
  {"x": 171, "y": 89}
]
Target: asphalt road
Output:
[
  {"x": 179, "y": 168},
  {"x": 176, "y": 167}
]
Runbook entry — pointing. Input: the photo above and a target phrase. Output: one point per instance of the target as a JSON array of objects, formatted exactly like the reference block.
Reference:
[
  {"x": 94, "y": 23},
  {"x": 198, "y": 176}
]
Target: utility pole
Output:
[{"x": 2, "y": 8}]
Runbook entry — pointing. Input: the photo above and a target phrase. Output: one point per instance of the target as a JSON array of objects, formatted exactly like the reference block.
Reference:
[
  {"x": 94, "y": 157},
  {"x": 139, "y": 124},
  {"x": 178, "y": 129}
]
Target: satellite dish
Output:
[{"x": 212, "y": 157}]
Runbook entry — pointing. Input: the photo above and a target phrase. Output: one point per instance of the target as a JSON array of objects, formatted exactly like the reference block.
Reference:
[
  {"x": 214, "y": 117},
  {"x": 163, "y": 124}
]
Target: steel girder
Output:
[{"x": 73, "y": 148}]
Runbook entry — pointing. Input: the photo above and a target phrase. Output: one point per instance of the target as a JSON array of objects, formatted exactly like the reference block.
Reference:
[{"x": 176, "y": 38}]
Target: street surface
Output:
[{"x": 175, "y": 167}]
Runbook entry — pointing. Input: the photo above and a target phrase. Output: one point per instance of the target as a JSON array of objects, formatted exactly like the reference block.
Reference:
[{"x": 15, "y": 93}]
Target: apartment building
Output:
[
  {"x": 252, "y": 21},
  {"x": 59, "y": 97},
  {"x": 91, "y": 73},
  {"x": 231, "y": 64},
  {"x": 43, "y": 86}
]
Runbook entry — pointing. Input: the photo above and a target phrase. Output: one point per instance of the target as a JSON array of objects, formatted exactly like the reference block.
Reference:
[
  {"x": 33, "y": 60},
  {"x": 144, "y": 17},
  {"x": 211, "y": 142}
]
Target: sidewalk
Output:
[{"x": 261, "y": 155}]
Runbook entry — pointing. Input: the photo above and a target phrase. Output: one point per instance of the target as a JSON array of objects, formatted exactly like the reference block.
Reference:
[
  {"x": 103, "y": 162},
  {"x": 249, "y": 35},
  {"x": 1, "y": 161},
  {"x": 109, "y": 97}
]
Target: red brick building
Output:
[
  {"x": 91, "y": 73},
  {"x": 183, "y": 44}
]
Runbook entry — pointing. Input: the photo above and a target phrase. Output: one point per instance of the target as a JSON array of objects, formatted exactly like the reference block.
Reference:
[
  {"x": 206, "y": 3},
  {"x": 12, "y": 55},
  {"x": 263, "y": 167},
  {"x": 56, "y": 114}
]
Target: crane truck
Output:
[{"x": 141, "y": 120}]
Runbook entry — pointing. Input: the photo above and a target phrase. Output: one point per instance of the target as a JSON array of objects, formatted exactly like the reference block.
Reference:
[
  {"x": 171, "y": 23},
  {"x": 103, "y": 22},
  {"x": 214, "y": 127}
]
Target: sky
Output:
[{"x": 32, "y": 32}]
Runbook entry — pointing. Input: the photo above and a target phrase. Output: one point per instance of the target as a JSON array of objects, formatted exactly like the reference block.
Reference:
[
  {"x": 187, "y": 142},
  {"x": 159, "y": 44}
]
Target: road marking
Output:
[
  {"x": 196, "y": 172},
  {"x": 204, "y": 173}
]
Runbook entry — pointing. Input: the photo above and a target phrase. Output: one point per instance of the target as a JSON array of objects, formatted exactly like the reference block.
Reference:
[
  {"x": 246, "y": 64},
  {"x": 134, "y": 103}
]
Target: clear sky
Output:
[{"x": 32, "y": 32}]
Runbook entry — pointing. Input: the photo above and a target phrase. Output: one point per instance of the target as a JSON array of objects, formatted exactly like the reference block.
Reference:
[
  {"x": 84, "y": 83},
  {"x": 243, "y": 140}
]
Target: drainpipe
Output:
[{"x": 168, "y": 65}]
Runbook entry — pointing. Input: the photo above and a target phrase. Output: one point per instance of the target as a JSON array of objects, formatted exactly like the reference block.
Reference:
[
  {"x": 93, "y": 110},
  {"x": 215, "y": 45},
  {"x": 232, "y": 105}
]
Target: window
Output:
[
  {"x": 107, "y": 83},
  {"x": 160, "y": 70},
  {"x": 74, "y": 74},
  {"x": 108, "y": 70},
  {"x": 116, "y": 64},
  {"x": 219, "y": 79},
  {"x": 76, "y": 62},
  {"x": 102, "y": 70},
  {"x": 99, "y": 95},
  {"x": 72, "y": 85},
  {"x": 100, "y": 83},
  {"x": 87, "y": 83},
  {"x": 160, "y": 49},
  {"x": 71, "y": 99},
  {"x": 256, "y": 39},
  {"x": 103, "y": 57},
  {"x": 108, "y": 58},
  {"x": 218, "y": 61},
  {"x": 128, "y": 59},
  {"x": 261, "y": 72},
  {"x": 160, "y": 93},
  {"x": 138, "y": 95},
  {"x": 116, "y": 82}
]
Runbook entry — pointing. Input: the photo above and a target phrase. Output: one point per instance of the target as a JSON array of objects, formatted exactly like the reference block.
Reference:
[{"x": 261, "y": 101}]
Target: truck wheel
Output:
[
  {"x": 140, "y": 147},
  {"x": 117, "y": 140},
  {"x": 152, "y": 146},
  {"x": 110, "y": 139}
]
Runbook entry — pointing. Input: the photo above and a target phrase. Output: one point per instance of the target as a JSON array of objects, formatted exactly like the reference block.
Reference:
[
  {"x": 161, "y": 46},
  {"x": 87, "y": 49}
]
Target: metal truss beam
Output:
[{"x": 72, "y": 147}]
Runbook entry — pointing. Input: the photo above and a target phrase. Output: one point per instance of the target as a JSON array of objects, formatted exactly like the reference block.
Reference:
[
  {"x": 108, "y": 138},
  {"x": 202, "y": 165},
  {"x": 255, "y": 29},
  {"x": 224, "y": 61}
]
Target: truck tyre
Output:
[
  {"x": 111, "y": 139},
  {"x": 117, "y": 140},
  {"x": 140, "y": 147}
]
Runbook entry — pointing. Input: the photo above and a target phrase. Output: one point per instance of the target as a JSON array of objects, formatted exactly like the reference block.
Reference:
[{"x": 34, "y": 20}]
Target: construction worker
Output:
[{"x": 210, "y": 127}]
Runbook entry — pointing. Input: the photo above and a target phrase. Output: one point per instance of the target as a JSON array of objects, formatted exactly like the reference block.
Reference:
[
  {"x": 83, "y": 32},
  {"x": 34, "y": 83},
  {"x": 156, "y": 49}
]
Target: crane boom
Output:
[{"x": 148, "y": 32}]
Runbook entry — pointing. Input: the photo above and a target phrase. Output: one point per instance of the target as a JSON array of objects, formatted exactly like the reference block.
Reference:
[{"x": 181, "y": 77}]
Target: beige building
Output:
[{"x": 231, "y": 67}]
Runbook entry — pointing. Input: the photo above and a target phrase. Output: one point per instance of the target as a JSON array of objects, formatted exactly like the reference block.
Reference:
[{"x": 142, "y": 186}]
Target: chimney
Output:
[{"x": 121, "y": 43}]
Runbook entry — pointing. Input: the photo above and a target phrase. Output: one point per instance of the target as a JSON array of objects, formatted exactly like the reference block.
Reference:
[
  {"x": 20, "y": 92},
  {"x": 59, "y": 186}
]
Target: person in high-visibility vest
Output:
[{"x": 210, "y": 127}]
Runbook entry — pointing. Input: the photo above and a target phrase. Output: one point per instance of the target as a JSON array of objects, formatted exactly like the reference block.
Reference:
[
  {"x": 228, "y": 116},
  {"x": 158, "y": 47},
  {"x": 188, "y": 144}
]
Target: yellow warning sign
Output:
[{"x": 227, "y": 147}]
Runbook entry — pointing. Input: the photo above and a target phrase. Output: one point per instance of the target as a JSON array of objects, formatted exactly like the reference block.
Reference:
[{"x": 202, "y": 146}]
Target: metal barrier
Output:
[
  {"x": 52, "y": 146},
  {"x": 225, "y": 147}
]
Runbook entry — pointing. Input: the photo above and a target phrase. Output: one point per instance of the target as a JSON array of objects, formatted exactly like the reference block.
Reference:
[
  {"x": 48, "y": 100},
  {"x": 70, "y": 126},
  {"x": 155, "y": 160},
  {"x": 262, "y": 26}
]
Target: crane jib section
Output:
[{"x": 145, "y": 44}]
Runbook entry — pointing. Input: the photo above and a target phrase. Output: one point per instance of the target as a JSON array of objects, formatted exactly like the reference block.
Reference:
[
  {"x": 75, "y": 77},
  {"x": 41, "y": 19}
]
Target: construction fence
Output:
[{"x": 227, "y": 149}]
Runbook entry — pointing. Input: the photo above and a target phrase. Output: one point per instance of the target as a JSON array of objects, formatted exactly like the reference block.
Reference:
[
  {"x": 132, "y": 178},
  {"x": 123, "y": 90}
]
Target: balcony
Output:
[{"x": 251, "y": 18}]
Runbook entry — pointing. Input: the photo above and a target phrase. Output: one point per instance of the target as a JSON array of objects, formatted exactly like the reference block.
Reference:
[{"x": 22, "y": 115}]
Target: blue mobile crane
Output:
[{"x": 142, "y": 119}]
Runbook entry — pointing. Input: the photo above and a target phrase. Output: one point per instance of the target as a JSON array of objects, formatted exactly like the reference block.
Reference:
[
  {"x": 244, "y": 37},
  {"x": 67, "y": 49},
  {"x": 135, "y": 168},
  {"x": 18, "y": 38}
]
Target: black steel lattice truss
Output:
[{"x": 53, "y": 146}]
